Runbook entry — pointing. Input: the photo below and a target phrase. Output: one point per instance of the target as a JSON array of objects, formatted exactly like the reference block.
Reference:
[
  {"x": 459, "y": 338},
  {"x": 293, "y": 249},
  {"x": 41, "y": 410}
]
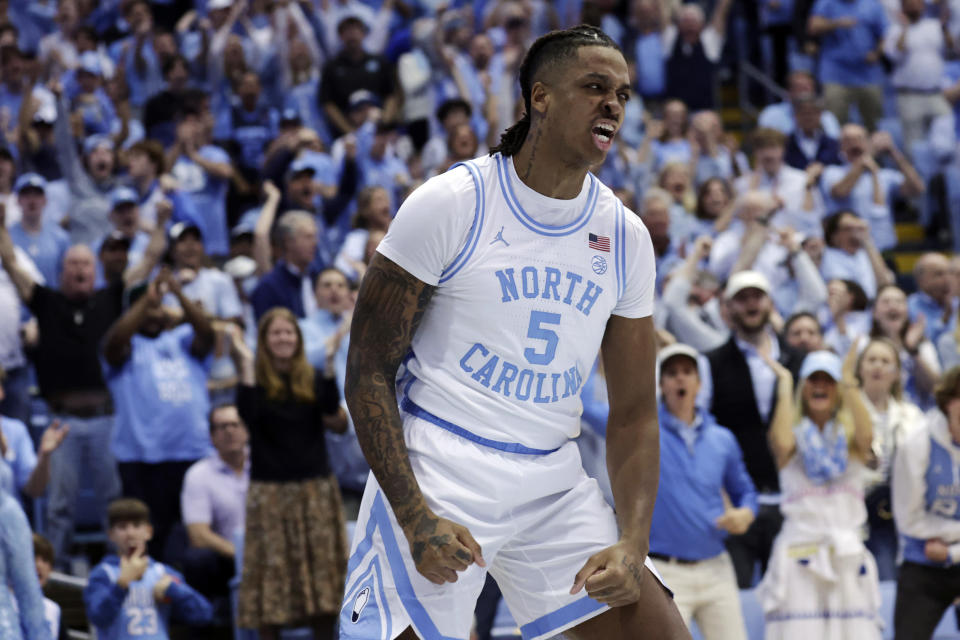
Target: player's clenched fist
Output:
[
  {"x": 613, "y": 576},
  {"x": 440, "y": 548}
]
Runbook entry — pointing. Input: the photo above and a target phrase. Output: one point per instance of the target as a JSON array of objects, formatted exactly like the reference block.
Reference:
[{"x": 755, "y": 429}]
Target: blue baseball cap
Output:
[
  {"x": 123, "y": 195},
  {"x": 300, "y": 165},
  {"x": 28, "y": 181},
  {"x": 96, "y": 141},
  {"x": 826, "y": 361},
  {"x": 90, "y": 62},
  {"x": 247, "y": 223}
]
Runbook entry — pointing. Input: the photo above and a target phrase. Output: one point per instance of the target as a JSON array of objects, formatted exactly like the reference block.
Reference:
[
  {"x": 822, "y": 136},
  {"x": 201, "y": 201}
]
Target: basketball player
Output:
[{"x": 494, "y": 289}]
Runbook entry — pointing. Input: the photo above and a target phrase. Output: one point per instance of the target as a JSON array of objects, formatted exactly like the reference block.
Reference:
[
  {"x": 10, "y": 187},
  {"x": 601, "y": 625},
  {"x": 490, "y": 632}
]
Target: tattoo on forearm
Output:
[
  {"x": 634, "y": 569},
  {"x": 389, "y": 310}
]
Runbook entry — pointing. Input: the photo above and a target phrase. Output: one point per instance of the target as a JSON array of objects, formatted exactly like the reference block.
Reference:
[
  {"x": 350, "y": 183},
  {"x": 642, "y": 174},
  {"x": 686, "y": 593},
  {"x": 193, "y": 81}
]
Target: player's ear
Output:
[{"x": 539, "y": 97}]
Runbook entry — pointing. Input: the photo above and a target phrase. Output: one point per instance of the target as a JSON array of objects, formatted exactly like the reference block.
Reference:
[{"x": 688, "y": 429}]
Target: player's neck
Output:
[{"x": 541, "y": 169}]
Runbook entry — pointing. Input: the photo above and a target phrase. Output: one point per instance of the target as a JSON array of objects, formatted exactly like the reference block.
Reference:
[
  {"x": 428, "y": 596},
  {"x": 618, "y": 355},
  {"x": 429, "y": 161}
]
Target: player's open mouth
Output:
[{"x": 603, "y": 135}]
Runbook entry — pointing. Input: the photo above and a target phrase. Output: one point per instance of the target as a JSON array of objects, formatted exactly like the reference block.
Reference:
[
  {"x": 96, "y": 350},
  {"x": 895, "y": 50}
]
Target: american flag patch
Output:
[{"x": 600, "y": 243}]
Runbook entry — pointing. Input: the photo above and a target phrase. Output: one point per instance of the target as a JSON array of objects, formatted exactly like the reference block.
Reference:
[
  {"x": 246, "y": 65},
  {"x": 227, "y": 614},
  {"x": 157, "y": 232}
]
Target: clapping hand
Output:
[{"x": 53, "y": 437}]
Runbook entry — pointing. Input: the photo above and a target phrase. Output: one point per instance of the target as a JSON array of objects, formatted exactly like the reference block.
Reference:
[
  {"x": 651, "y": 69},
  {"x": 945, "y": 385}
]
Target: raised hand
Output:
[{"x": 53, "y": 437}]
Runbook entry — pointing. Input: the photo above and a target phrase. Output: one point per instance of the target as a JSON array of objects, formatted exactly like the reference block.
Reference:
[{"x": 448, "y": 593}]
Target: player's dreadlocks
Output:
[{"x": 548, "y": 49}]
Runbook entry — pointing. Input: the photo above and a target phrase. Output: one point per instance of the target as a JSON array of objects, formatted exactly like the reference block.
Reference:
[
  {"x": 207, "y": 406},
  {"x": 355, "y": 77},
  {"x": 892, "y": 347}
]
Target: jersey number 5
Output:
[{"x": 536, "y": 331}]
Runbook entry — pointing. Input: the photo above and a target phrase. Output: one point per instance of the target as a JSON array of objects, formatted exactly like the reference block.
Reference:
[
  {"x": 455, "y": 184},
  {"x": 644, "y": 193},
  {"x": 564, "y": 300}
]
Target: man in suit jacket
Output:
[{"x": 808, "y": 142}]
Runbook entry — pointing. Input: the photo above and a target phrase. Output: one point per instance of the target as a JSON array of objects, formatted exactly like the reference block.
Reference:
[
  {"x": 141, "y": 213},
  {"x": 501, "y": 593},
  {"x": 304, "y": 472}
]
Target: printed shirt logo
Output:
[
  {"x": 499, "y": 238},
  {"x": 359, "y": 603},
  {"x": 599, "y": 243},
  {"x": 599, "y": 265}
]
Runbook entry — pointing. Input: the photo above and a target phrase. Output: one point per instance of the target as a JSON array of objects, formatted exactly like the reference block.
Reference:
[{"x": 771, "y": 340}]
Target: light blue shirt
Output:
[
  {"x": 215, "y": 291},
  {"x": 20, "y": 459},
  {"x": 208, "y": 194},
  {"x": 651, "y": 70},
  {"x": 45, "y": 248},
  {"x": 860, "y": 200},
  {"x": 780, "y": 116},
  {"x": 161, "y": 400},
  {"x": 21, "y": 605},
  {"x": 919, "y": 302},
  {"x": 841, "y": 265},
  {"x": 843, "y": 51}
]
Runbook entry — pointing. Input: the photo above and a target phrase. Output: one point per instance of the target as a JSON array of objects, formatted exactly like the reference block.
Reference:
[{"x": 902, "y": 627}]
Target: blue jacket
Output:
[
  {"x": 278, "y": 288},
  {"x": 119, "y": 613},
  {"x": 691, "y": 477}
]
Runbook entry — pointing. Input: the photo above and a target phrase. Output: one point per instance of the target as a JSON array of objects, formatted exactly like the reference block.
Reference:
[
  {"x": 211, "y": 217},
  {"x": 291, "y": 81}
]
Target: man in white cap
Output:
[
  {"x": 699, "y": 460},
  {"x": 738, "y": 389}
]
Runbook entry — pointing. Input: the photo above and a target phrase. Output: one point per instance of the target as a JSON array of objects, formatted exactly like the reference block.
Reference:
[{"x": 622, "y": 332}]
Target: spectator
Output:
[
  {"x": 924, "y": 490},
  {"x": 894, "y": 420},
  {"x": 809, "y": 141},
  {"x": 738, "y": 390},
  {"x": 850, "y": 253},
  {"x": 917, "y": 46},
  {"x": 21, "y": 605},
  {"x": 203, "y": 172},
  {"x": 288, "y": 405},
  {"x": 213, "y": 502},
  {"x": 450, "y": 114},
  {"x": 796, "y": 192},
  {"x": 253, "y": 124},
  {"x": 712, "y": 154},
  {"x": 851, "y": 42},
  {"x": 918, "y": 357},
  {"x": 161, "y": 110},
  {"x": 802, "y": 332},
  {"x": 865, "y": 188},
  {"x": 14, "y": 83},
  {"x": 821, "y": 449},
  {"x": 692, "y": 53},
  {"x": 23, "y": 470},
  {"x": 846, "y": 316},
  {"x": 647, "y": 17},
  {"x": 125, "y": 218},
  {"x": 374, "y": 213},
  {"x": 154, "y": 188},
  {"x": 289, "y": 283},
  {"x": 130, "y": 594},
  {"x": 933, "y": 299},
  {"x": 655, "y": 213},
  {"x": 43, "y": 558},
  {"x": 353, "y": 69},
  {"x": 16, "y": 404},
  {"x": 138, "y": 60},
  {"x": 90, "y": 104},
  {"x": 157, "y": 377},
  {"x": 699, "y": 461},
  {"x": 691, "y": 304},
  {"x": 715, "y": 207},
  {"x": 210, "y": 288},
  {"x": 667, "y": 140},
  {"x": 784, "y": 116},
  {"x": 45, "y": 242}
]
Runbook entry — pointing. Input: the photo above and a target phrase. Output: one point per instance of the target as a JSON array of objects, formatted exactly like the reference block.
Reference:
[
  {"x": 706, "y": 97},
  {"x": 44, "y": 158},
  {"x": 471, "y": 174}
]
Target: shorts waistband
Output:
[{"x": 414, "y": 409}]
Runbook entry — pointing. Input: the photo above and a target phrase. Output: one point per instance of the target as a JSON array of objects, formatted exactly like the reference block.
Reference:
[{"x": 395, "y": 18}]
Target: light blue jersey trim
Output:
[
  {"x": 418, "y": 615},
  {"x": 619, "y": 243},
  {"x": 548, "y": 624},
  {"x": 412, "y": 408},
  {"x": 473, "y": 237},
  {"x": 530, "y": 223}
]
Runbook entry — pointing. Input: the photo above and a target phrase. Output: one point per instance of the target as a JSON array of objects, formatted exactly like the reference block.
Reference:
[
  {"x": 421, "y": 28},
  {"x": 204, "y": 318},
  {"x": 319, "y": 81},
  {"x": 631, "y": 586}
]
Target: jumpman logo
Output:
[{"x": 499, "y": 238}]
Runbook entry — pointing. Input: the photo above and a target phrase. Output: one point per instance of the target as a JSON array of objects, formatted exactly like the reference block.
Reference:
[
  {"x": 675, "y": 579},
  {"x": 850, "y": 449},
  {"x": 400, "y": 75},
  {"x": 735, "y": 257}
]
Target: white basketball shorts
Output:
[{"x": 538, "y": 518}]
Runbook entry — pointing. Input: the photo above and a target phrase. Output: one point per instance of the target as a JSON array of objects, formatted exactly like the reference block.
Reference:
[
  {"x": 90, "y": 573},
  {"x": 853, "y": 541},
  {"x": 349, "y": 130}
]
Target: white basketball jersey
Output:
[{"x": 520, "y": 306}]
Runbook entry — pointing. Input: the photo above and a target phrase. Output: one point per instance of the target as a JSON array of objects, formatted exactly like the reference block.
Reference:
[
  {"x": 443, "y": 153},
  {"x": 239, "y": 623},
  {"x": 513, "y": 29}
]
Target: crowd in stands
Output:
[{"x": 190, "y": 192}]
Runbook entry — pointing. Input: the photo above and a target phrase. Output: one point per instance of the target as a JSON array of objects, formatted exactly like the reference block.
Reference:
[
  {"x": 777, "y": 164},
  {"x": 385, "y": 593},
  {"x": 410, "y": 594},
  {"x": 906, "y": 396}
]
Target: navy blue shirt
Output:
[{"x": 692, "y": 473}]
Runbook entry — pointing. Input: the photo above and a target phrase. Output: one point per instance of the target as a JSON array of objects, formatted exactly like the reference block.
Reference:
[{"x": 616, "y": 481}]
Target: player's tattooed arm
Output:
[{"x": 389, "y": 309}]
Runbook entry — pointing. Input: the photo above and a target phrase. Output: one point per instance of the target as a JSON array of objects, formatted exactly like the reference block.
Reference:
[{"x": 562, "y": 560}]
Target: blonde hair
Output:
[
  {"x": 896, "y": 389},
  {"x": 840, "y": 414},
  {"x": 301, "y": 373}
]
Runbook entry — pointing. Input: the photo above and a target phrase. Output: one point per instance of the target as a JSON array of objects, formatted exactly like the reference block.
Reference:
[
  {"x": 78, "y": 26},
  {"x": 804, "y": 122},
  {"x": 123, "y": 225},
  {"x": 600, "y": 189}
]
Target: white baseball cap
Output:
[
  {"x": 746, "y": 280},
  {"x": 676, "y": 349}
]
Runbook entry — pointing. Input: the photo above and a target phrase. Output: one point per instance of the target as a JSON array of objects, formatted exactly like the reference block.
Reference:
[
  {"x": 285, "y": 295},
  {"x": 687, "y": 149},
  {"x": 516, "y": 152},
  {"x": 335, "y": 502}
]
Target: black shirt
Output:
[
  {"x": 68, "y": 356},
  {"x": 342, "y": 76},
  {"x": 287, "y": 439}
]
